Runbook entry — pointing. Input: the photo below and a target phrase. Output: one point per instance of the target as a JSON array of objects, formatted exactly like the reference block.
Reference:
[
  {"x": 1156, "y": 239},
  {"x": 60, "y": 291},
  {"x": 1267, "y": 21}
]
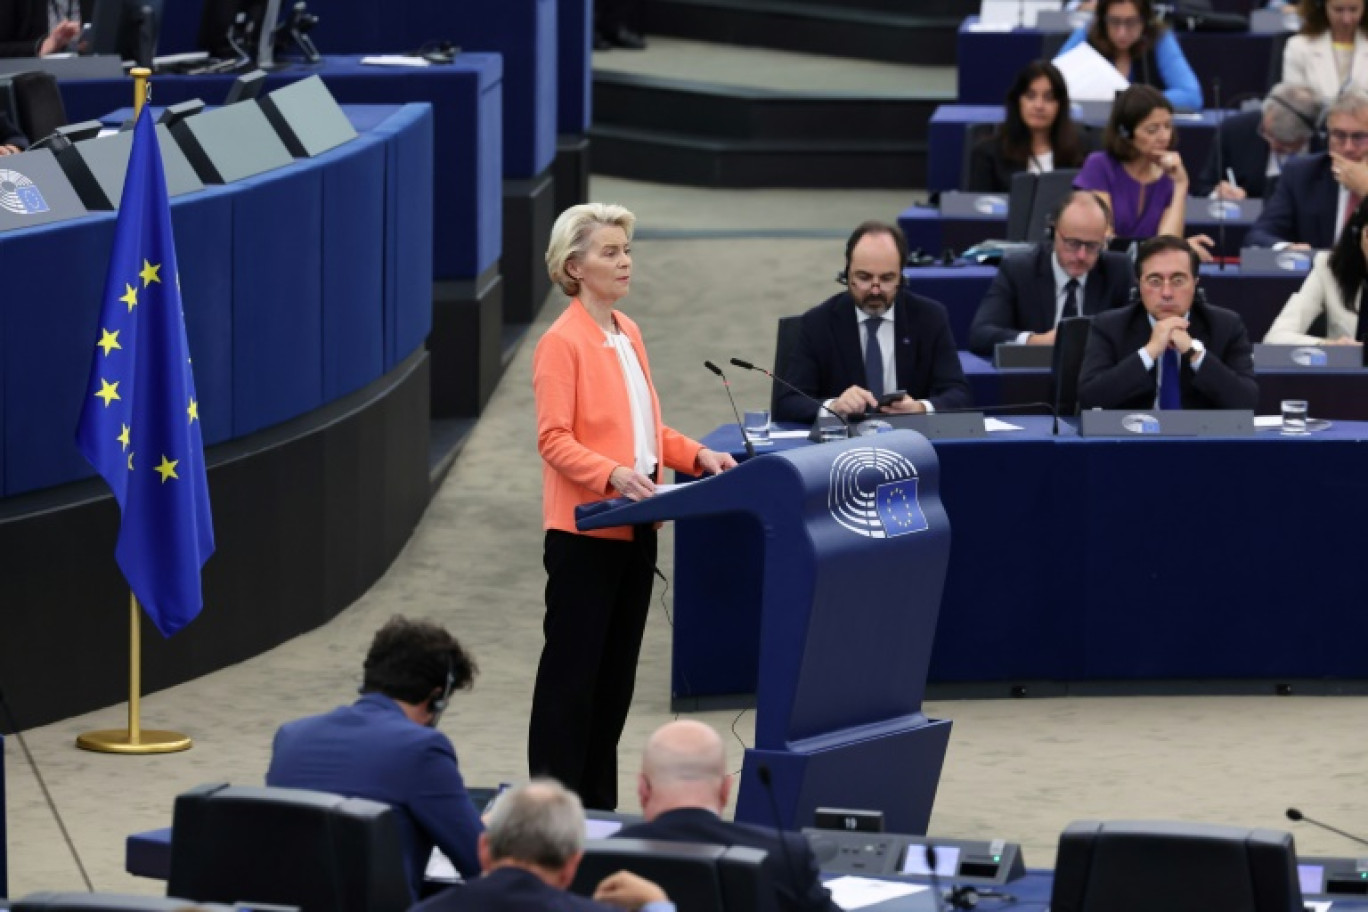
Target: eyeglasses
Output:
[
  {"x": 1125, "y": 23},
  {"x": 1074, "y": 245},
  {"x": 1343, "y": 137},
  {"x": 1177, "y": 281}
]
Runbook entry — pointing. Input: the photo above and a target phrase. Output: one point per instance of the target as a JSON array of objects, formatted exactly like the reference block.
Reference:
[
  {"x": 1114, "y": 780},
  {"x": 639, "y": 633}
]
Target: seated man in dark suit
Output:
[
  {"x": 683, "y": 786},
  {"x": 913, "y": 351},
  {"x": 24, "y": 28},
  {"x": 1170, "y": 349},
  {"x": 1070, "y": 275},
  {"x": 530, "y": 854},
  {"x": 1256, "y": 144},
  {"x": 1316, "y": 193},
  {"x": 386, "y": 747}
]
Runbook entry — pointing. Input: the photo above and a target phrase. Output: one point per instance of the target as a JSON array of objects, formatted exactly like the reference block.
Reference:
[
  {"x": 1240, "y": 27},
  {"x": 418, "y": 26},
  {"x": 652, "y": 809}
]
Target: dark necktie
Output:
[
  {"x": 874, "y": 366},
  {"x": 1070, "y": 300},
  {"x": 1170, "y": 393}
]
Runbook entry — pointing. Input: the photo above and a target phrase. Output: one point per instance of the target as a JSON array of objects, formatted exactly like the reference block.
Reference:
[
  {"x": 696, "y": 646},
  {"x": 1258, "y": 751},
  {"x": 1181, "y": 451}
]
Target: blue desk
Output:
[
  {"x": 1089, "y": 561},
  {"x": 301, "y": 285},
  {"x": 466, "y": 99},
  {"x": 1256, "y": 298},
  {"x": 950, "y": 125},
  {"x": 523, "y": 32},
  {"x": 989, "y": 61}
]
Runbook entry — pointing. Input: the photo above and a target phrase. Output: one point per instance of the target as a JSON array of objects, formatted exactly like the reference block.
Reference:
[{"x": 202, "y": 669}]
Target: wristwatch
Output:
[{"x": 1195, "y": 350}]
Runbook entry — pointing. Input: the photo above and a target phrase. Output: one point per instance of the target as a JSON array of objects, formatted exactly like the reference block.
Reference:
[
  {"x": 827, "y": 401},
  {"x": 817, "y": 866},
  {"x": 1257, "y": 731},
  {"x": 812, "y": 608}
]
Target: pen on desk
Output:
[{"x": 1230, "y": 178}]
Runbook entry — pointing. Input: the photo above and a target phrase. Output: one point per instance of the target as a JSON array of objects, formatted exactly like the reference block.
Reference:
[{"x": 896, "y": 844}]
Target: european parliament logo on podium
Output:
[
  {"x": 874, "y": 493},
  {"x": 19, "y": 194}
]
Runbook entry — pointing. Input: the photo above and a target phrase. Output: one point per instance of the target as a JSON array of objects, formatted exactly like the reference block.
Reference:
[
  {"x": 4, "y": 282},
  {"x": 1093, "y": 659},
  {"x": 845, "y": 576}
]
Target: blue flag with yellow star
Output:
[{"x": 139, "y": 423}]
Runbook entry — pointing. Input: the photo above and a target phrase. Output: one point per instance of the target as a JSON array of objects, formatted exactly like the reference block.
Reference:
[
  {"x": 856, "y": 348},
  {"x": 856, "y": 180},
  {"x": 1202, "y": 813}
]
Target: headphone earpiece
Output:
[
  {"x": 843, "y": 277},
  {"x": 439, "y": 703},
  {"x": 1049, "y": 229},
  {"x": 1123, "y": 131},
  {"x": 1199, "y": 296}
]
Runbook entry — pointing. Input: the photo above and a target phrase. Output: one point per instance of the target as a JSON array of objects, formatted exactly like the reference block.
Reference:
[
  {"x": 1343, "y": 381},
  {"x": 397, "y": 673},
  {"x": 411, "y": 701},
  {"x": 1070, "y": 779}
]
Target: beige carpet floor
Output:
[{"x": 1018, "y": 769}]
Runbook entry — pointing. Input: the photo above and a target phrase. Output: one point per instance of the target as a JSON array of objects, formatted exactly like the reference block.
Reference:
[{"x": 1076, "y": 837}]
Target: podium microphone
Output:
[
  {"x": 746, "y": 365},
  {"x": 750, "y": 447},
  {"x": 1296, "y": 815}
]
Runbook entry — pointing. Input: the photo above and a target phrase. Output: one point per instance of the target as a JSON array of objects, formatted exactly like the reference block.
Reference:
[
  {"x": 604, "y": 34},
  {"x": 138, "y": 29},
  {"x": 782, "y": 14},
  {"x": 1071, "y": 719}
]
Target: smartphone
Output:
[{"x": 890, "y": 398}]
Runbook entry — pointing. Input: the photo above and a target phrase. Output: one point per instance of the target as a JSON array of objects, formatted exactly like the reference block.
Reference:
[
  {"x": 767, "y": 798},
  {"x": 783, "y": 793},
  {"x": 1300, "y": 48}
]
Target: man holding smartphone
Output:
[{"x": 875, "y": 347}]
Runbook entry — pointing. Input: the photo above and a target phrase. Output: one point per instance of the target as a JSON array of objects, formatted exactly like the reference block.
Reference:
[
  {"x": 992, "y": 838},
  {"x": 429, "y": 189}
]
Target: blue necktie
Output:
[
  {"x": 1170, "y": 393},
  {"x": 874, "y": 366}
]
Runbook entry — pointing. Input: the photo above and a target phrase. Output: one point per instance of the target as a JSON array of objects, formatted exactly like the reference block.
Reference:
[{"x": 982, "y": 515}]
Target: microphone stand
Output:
[
  {"x": 750, "y": 447},
  {"x": 1220, "y": 172},
  {"x": 746, "y": 365}
]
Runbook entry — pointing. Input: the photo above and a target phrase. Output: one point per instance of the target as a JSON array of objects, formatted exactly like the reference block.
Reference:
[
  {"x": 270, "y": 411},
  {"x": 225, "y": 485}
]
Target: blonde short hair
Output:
[{"x": 571, "y": 233}]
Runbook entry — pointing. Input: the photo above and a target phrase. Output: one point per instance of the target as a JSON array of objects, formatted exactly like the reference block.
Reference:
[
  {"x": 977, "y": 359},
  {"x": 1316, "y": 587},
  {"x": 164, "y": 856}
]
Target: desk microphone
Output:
[
  {"x": 762, "y": 772},
  {"x": 784, "y": 383},
  {"x": 1294, "y": 814},
  {"x": 750, "y": 447}
]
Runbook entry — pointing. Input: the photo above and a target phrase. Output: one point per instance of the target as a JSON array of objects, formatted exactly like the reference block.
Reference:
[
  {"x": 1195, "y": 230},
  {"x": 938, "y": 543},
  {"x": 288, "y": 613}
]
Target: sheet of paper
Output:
[
  {"x": 1268, "y": 421},
  {"x": 991, "y": 26},
  {"x": 996, "y": 424},
  {"x": 798, "y": 434},
  {"x": 857, "y": 892},
  {"x": 1317, "y": 906},
  {"x": 394, "y": 60},
  {"x": 1089, "y": 75}
]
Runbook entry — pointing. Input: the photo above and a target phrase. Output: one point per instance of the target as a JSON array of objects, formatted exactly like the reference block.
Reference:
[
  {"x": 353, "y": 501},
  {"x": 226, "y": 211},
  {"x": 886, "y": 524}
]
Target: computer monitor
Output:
[{"x": 129, "y": 28}]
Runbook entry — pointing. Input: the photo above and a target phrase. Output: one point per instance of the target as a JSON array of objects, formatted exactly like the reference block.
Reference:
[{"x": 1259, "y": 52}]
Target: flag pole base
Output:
[{"x": 116, "y": 741}]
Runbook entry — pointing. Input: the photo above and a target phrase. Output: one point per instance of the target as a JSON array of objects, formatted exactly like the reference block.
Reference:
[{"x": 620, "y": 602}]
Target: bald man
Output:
[{"x": 683, "y": 787}]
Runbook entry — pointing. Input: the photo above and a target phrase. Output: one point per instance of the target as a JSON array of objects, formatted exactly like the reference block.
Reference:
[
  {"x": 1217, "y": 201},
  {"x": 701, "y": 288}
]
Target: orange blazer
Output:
[{"x": 584, "y": 420}]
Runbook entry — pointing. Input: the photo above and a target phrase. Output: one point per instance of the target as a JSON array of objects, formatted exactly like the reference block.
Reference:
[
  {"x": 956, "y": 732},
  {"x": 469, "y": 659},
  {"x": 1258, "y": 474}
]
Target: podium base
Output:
[
  {"x": 896, "y": 772},
  {"x": 116, "y": 741}
]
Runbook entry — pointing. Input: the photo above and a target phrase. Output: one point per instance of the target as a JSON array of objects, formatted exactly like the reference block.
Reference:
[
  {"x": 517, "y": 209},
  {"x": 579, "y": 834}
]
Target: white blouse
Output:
[{"x": 639, "y": 397}]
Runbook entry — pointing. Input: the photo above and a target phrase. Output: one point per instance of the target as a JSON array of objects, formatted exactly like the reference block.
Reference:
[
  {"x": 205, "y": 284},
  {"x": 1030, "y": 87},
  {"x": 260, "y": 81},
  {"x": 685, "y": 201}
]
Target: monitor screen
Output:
[
  {"x": 1311, "y": 877},
  {"x": 947, "y": 861}
]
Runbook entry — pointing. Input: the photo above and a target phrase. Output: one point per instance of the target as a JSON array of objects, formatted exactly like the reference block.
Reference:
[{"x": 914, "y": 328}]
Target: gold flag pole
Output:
[{"x": 134, "y": 740}]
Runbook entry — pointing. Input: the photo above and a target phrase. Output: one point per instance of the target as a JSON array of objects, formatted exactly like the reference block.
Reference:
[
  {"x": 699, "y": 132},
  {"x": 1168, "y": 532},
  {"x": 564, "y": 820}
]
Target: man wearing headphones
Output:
[
  {"x": 1168, "y": 349},
  {"x": 1317, "y": 193},
  {"x": 1071, "y": 274},
  {"x": 875, "y": 347},
  {"x": 1254, "y": 145},
  {"x": 386, "y": 747}
]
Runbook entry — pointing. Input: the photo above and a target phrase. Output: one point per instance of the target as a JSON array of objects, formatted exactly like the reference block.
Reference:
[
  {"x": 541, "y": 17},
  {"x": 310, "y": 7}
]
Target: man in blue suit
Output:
[
  {"x": 530, "y": 854},
  {"x": 1316, "y": 193},
  {"x": 859, "y": 348},
  {"x": 683, "y": 787},
  {"x": 386, "y": 747}
]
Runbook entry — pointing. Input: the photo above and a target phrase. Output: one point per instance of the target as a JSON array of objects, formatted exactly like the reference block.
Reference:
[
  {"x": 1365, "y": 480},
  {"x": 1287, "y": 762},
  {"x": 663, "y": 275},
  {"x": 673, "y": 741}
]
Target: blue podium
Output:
[{"x": 842, "y": 666}]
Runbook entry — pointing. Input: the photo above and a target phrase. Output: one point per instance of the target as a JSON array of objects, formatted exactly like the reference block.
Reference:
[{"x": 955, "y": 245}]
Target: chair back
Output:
[
  {"x": 38, "y": 107},
  {"x": 697, "y": 877},
  {"x": 318, "y": 851},
  {"x": 1071, "y": 340},
  {"x": 785, "y": 344},
  {"x": 1019, "y": 202},
  {"x": 115, "y": 902},
  {"x": 976, "y": 134},
  {"x": 1053, "y": 187}
]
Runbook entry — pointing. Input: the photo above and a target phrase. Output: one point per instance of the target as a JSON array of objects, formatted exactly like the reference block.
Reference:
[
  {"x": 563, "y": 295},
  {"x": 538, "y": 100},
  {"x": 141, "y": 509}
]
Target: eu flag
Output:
[
  {"x": 140, "y": 425},
  {"x": 900, "y": 508}
]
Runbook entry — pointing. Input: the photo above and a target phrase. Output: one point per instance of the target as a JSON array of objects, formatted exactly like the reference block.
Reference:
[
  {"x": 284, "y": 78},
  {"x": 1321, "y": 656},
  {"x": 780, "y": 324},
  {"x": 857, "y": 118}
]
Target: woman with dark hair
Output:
[
  {"x": 1137, "y": 172},
  {"x": 1333, "y": 290},
  {"x": 1330, "y": 52},
  {"x": 1142, "y": 49},
  {"x": 1037, "y": 136}
]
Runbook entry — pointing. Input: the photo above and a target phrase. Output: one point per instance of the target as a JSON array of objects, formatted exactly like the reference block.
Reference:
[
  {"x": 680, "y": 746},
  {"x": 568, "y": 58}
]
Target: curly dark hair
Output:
[
  {"x": 1014, "y": 137},
  {"x": 408, "y": 660}
]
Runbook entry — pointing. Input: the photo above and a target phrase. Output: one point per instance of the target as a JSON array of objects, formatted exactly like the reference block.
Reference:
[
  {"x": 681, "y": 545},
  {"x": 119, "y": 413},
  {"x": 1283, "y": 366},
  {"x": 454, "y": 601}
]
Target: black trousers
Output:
[{"x": 598, "y": 593}]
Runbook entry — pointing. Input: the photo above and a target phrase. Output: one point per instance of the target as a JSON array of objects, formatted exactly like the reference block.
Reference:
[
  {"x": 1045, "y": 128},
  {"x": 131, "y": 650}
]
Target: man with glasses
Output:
[
  {"x": 1256, "y": 145},
  {"x": 1070, "y": 274},
  {"x": 1317, "y": 193},
  {"x": 875, "y": 347},
  {"x": 1169, "y": 349}
]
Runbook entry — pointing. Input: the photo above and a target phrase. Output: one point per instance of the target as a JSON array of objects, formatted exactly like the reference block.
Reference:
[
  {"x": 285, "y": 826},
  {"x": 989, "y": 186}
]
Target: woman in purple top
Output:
[{"x": 1137, "y": 173}]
